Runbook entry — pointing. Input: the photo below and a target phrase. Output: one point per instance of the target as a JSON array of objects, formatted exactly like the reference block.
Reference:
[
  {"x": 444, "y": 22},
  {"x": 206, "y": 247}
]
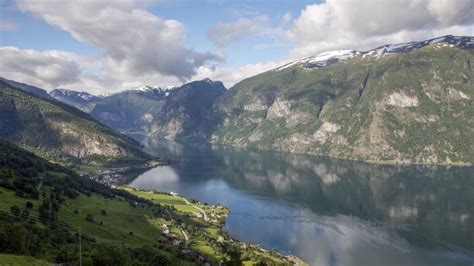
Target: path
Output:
[
  {"x": 199, "y": 209},
  {"x": 186, "y": 238}
]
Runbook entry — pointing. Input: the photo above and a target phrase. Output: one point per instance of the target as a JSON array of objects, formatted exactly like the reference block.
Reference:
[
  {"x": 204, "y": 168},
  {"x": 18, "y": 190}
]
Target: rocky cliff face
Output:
[
  {"x": 410, "y": 103},
  {"x": 179, "y": 113},
  {"x": 187, "y": 111},
  {"x": 58, "y": 131}
]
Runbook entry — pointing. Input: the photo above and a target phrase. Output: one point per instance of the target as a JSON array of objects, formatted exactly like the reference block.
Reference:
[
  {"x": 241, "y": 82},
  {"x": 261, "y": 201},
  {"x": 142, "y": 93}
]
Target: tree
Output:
[
  {"x": 29, "y": 205},
  {"x": 90, "y": 217}
]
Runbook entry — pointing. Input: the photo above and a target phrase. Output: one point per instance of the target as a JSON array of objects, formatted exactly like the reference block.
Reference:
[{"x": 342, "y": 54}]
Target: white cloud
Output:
[
  {"x": 230, "y": 75},
  {"x": 363, "y": 24},
  {"x": 140, "y": 48},
  {"x": 223, "y": 34},
  {"x": 286, "y": 17},
  {"x": 43, "y": 69},
  {"x": 134, "y": 41}
]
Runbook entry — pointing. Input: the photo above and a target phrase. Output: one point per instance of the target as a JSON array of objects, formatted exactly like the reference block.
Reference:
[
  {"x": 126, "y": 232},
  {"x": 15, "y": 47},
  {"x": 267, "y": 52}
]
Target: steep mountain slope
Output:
[
  {"x": 48, "y": 203},
  {"x": 128, "y": 111},
  {"x": 77, "y": 99},
  {"x": 405, "y": 103},
  {"x": 59, "y": 132},
  {"x": 28, "y": 88},
  {"x": 187, "y": 111},
  {"x": 179, "y": 113}
]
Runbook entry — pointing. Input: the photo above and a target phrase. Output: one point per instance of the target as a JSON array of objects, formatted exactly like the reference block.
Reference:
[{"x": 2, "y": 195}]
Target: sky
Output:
[{"x": 105, "y": 46}]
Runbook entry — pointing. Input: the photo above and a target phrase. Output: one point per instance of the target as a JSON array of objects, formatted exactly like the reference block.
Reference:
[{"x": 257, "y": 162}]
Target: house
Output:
[
  {"x": 163, "y": 239},
  {"x": 196, "y": 214}
]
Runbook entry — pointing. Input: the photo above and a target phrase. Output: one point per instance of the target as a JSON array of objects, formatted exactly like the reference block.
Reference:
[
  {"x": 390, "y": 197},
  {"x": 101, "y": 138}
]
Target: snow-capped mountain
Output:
[
  {"x": 322, "y": 59},
  {"x": 73, "y": 97},
  {"x": 331, "y": 57},
  {"x": 152, "y": 91},
  {"x": 444, "y": 41}
]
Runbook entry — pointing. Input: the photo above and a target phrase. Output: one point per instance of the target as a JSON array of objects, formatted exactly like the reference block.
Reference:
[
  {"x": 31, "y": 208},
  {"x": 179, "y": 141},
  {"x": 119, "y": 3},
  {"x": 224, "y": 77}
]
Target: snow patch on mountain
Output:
[
  {"x": 331, "y": 57},
  {"x": 155, "y": 90},
  {"x": 75, "y": 96},
  {"x": 322, "y": 59}
]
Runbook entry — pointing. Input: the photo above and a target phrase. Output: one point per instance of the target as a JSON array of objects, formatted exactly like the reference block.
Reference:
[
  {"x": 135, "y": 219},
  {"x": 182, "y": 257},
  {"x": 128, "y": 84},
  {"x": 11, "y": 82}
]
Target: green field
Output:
[{"x": 15, "y": 260}]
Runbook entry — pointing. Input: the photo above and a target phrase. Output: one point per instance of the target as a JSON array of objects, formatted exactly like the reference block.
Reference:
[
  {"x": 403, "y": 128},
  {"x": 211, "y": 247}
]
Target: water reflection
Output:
[{"x": 330, "y": 212}]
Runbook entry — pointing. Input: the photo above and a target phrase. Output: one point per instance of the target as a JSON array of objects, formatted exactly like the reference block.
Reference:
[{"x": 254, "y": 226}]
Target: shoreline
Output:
[
  {"x": 368, "y": 161},
  {"x": 218, "y": 215},
  {"x": 122, "y": 173}
]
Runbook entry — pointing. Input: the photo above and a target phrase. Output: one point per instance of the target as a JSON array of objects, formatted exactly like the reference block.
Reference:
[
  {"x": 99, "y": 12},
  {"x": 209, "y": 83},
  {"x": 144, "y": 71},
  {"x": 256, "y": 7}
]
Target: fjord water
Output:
[{"x": 326, "y": 211}]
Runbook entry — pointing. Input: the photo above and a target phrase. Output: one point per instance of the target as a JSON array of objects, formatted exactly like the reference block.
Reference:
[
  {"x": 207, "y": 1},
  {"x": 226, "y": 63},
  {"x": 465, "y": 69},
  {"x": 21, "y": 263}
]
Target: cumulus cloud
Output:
[
  {"x": 286, "y": 17},
  {"x": 223, "y": 34},
  {"x": 133, "y": 40},
  {"x": 44, "y": 69},
  {"x": 364, "y": 23},
  {"x": 230, "y": 75},
  {"x": 141, "y": 48}
]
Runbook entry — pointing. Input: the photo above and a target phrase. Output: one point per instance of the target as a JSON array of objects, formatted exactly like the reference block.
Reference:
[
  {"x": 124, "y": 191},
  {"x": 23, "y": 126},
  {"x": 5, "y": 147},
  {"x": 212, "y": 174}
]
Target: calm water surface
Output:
[{"x": 328, "y": 212}]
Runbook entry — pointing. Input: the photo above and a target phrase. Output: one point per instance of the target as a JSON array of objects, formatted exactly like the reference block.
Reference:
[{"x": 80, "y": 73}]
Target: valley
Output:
[
  {"x": 344, "y": 157},
  {"x": 405, "y": 103}
]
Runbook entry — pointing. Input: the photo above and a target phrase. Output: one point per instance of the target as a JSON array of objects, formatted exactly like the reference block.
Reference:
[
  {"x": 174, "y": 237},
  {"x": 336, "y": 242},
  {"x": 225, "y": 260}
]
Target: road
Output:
[
  {"x": 197, "y": 208},
  {"x": 186, "y": 238}
]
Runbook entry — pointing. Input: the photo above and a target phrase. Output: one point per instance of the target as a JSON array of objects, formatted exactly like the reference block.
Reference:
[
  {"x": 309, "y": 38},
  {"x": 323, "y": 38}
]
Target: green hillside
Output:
[
  {"x": 411, "y": 107},
  {"x": 60, "y": 132},
  {"x": 43, "y": 206}
]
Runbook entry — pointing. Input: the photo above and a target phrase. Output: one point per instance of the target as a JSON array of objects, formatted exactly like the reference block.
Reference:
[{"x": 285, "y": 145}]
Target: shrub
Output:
[
  {"x": 29, "y": 205},
  {"x": 90, "y": 217}
]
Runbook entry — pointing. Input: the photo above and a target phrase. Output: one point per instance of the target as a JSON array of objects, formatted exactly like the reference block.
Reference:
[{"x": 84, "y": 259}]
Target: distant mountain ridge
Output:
[
  {"x": 28, "y": 88},
  {"x": 77, "y": 99},
  {"x": 183, "y": 112},
  {"x": 409, "y": 103},
  {"x": 330, "y": 57}
]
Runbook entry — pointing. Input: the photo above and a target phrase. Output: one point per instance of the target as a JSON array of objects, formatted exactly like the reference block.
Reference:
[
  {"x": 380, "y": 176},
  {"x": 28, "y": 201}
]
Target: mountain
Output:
[
  {"x": 187, "y": 111},
  {"x": 331, "y": 57},
  {"x": 77, "y": 99},
  {"x": 176, "y": 113},
  {"x": 151, "y": 92},
  {"x": 60, "y": 132},
  {"x": 28, "y": 88},
  {"x": 403, "y": 103}
]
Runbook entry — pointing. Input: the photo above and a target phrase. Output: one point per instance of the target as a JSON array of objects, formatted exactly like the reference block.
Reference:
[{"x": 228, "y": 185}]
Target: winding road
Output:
[{"x": 197, "y": 208}]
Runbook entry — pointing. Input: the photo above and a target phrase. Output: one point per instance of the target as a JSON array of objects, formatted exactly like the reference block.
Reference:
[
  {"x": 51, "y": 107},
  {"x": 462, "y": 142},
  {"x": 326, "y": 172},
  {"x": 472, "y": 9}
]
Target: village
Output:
[{"x": 196, "y": 229}]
